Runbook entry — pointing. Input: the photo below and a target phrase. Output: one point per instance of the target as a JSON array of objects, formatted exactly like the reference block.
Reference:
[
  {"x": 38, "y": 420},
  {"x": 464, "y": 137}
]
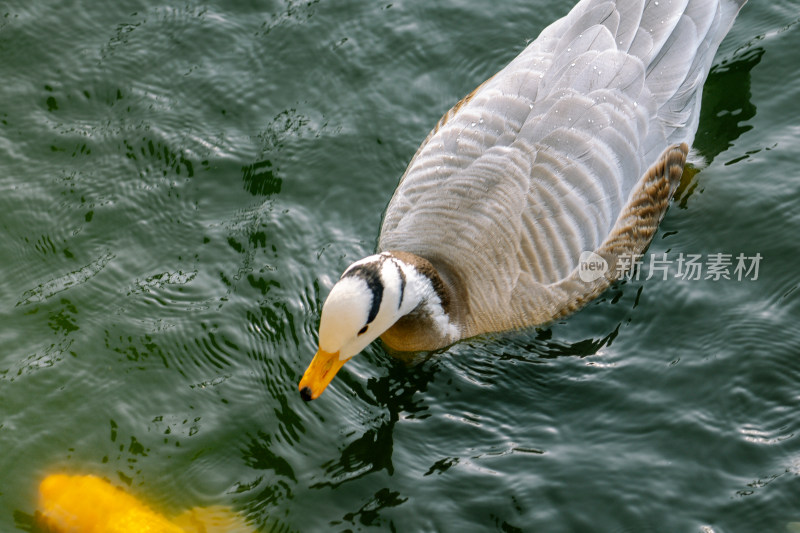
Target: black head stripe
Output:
[
  {"x": 402, "y": 283},
  {"x": 370, "y": 273}
]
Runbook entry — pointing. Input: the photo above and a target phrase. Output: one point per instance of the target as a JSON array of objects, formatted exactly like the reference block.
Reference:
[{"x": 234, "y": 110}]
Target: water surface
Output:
[{"x": 182, "y": 183}]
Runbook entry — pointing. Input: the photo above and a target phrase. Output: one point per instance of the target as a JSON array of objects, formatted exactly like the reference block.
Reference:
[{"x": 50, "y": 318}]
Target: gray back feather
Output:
[{"x": 538, "y": 163}]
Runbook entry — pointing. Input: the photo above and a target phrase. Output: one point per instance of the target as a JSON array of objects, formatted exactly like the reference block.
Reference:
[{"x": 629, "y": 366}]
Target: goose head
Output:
[{"x": 372, "y": 295}]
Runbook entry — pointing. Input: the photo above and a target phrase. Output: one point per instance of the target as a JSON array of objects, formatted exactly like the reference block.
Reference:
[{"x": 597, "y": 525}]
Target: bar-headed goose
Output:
[{"x": 565, "y": 159}]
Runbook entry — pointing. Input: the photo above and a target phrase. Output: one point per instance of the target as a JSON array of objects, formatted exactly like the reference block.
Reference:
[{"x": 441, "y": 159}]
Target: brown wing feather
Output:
[{"x": 635, "y": 228}]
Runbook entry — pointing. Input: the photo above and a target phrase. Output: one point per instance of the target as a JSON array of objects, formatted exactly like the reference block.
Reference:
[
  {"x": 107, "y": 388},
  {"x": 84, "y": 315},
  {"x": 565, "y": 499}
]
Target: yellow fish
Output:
[{"x": 88, "y": 504}]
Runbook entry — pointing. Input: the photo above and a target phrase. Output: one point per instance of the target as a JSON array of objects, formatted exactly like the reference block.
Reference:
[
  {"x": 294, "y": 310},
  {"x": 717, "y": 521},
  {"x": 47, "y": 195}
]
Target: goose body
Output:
[{"x": 575, "y": 147}]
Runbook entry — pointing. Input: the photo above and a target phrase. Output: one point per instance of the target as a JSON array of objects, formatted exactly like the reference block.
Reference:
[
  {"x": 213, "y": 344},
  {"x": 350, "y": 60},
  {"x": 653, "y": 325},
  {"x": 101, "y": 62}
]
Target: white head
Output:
[{"x": 368, "y": 299}]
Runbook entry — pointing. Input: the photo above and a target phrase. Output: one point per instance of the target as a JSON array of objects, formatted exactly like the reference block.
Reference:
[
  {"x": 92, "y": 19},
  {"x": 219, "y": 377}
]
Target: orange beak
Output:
[{"x": 319, "y": 374}]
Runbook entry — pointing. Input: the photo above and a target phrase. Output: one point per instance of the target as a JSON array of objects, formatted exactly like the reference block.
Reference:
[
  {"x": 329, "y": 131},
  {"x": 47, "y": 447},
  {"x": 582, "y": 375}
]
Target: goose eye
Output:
[{"x": 363, "y": 330}]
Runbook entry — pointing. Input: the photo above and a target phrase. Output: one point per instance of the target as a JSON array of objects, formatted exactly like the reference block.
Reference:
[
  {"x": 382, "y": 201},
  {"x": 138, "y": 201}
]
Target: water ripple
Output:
[{"x": 182, "y": 186}]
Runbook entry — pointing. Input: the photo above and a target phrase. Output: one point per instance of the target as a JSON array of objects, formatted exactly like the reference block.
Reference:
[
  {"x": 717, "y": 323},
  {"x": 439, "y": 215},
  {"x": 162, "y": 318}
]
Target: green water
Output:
[{"x": 180, "y": 185}]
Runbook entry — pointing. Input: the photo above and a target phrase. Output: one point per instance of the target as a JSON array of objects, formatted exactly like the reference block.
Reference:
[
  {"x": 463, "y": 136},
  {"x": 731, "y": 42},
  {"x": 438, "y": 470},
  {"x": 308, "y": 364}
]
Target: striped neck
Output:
[{"x": 426, "y": 306}]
